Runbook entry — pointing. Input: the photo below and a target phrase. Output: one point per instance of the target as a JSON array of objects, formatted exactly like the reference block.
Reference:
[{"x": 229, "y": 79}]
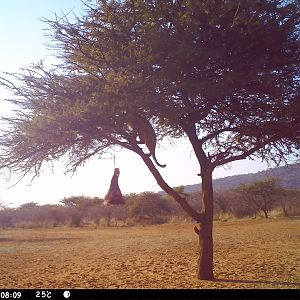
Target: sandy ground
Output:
[{"x": 248, "y": 254}]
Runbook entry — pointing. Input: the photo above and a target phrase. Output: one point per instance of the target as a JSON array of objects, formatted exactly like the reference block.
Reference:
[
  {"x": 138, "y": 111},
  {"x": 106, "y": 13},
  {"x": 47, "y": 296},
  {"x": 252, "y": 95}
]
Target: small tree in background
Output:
[
  {"x": 222, "y": 199},
  {"x": 260, "y": 195},
  {"x": 6, "y": 216},
  {"x": 289, "y": 200},
  {"x": 224, "y": 74},
  {"x": 148, "y": 208}
]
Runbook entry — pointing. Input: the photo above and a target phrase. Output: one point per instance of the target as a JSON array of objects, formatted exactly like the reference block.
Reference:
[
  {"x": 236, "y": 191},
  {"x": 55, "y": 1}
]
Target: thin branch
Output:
[
  {"x": 214, "y": 134},
  {"x": 238, "y": 157}
]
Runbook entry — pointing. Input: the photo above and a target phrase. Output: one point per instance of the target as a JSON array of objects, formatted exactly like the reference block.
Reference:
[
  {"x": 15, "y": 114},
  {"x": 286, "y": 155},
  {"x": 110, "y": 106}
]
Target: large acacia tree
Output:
[{"x": 224, "y": 74}]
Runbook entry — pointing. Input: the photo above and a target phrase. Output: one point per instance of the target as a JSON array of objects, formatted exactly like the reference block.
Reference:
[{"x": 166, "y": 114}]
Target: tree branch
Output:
[
  {"x": 238, "y": 157},
  {"x": 214, "y": 134},
  {"x": 203, "y": 160},
  {"x": 198, "y": 217}
]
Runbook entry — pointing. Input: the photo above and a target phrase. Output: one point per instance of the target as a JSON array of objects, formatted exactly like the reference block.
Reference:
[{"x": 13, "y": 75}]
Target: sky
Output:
[{"x": 23, "y": 43}]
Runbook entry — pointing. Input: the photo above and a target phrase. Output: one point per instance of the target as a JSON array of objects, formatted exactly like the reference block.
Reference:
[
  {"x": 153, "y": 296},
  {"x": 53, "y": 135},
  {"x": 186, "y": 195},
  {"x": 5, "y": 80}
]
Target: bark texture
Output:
[{"x": 205, "y": 261}]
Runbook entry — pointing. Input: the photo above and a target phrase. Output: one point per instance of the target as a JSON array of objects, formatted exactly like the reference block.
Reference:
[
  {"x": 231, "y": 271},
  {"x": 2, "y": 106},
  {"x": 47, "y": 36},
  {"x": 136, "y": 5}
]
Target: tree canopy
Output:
[
  {"x": 229, "y": 69},
  {"x": 224, "y": 74}
]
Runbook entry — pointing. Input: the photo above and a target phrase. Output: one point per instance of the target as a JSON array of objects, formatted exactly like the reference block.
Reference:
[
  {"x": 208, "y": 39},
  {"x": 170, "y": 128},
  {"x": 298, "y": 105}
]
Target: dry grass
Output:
[{"x": 248, "y": 254}]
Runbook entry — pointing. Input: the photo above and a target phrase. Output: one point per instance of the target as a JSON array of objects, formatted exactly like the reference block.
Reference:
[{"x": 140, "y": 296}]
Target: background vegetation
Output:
[{"x": 266, "y": 197}]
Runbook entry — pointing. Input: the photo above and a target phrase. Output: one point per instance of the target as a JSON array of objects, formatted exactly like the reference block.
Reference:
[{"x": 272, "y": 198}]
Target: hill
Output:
[{"x": 288, "y": 176}]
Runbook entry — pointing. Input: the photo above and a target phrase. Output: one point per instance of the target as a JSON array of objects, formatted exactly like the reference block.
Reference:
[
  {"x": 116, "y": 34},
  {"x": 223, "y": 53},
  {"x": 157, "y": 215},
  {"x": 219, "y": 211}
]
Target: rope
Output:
[{"x": 114, "y": 156}]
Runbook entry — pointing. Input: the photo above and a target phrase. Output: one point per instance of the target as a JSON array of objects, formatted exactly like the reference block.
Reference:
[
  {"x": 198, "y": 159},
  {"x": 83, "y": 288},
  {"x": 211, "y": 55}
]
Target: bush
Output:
[{"x": 148, "y": 208}]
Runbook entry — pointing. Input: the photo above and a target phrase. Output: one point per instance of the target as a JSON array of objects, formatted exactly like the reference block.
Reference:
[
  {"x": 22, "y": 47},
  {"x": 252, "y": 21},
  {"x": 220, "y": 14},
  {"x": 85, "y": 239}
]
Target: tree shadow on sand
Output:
[{"x": 292, "y": 284}]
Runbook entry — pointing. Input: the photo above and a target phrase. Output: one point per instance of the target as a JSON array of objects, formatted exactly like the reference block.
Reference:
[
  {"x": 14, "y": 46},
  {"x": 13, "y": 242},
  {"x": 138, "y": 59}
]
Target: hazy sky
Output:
[{"x": 23, "y": 42}]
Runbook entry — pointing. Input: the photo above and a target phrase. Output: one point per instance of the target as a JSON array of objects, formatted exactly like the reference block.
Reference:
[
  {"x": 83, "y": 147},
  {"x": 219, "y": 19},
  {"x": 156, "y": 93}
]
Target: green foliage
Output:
[
  {"x": 148, "y": 208},
  {"x": 28, "y": 205},
  {"x": 261, "y": 195},
  {"x": 80, "y": 202}
]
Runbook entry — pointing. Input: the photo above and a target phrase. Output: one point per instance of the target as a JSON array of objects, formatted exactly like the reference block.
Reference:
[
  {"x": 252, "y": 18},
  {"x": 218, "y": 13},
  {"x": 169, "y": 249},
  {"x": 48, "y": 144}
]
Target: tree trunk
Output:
[
  {"x": 285, "y": 212},
  {"x": 205, "y": 218},
  {"x": 265, "y": 208},
  {"x": 205, "y": 261},
  {"x": 108, "y": 219}
]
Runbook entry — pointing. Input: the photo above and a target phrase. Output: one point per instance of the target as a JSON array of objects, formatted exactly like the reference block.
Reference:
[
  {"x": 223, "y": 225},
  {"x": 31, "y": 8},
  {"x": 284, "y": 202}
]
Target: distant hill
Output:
[{"x": 289, "y": 177}]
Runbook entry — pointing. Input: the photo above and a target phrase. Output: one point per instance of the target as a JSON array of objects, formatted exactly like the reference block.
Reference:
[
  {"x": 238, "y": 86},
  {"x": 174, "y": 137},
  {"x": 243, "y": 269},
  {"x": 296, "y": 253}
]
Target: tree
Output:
[
  {"x": 288, "y": 199},
  {"x": 223, "y": 201},
  {"x": 6, "y": 215},
  {"x": 78, "y": 207},
  {"x": 2, "y": 205},
  {"x": 260, "y": 195},
  {"x": 148, "y": 208},
  {"x": 241, "y": 207},
  {"x": 224, "y": 74},
  {"x": 28, "y": 205}
]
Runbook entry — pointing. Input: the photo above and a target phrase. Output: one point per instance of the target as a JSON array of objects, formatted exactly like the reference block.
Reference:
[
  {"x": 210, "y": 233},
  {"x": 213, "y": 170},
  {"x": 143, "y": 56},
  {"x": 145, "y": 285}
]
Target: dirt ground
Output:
[{"x": 248, "y": 254}]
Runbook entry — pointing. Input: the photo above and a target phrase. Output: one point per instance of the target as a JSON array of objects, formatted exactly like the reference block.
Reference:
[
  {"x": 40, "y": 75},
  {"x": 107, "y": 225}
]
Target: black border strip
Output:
[{"x": 145, "y": 294}]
